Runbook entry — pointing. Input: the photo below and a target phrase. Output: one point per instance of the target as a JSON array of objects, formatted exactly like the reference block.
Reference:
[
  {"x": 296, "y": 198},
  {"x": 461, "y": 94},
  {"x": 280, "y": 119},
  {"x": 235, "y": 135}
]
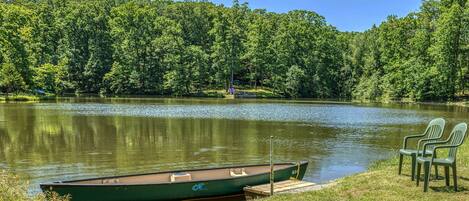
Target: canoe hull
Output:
[{"x": 171, "y": 191}]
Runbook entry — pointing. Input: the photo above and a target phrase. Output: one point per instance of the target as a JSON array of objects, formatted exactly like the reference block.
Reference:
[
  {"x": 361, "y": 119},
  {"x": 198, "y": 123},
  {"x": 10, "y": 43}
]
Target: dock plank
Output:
[{"x": 254, "y": 192}]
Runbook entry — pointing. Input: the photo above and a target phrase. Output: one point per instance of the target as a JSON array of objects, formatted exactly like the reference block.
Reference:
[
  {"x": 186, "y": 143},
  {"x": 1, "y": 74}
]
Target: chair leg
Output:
[
  {"x": 414, "y": 161},
  {"x": 447, "y": 175},
  {"x": 426, "y": 170},
  {"x": 436, "y": 170},
  {"x": 455, "y": 178},
  {"x": 419, "y": 167},
  {"x": 400, "y": 163}
]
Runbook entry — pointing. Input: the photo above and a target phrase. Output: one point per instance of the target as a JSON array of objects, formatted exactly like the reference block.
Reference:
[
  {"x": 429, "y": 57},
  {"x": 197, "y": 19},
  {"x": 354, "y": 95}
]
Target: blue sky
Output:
[{"x": 346, "y": 15}]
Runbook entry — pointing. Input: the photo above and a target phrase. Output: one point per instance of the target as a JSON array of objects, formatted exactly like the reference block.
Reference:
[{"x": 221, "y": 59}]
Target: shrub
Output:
[{"x": 12, "y": 187}]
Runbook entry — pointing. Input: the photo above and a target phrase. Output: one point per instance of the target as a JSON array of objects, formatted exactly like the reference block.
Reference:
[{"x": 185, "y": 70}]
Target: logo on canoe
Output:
[{"x": 199, "y": 187}]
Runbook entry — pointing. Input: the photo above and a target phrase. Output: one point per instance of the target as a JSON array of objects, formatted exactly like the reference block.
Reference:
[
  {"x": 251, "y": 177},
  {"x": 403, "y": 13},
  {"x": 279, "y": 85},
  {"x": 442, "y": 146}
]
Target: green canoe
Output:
[{"x": 175, "y": 185}]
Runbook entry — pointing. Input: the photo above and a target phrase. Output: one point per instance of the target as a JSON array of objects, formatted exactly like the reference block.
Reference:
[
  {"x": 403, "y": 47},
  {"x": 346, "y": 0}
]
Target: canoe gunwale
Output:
[{"x": 68, "y": 183}]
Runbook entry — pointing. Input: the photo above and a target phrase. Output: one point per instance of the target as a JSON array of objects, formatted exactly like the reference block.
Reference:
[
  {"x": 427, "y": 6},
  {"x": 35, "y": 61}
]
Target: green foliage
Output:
[
  {"x": 295, "y": 75},
  {"x": 304, "y": 40},
  {"x": 86, "y": 46},
  {"x": 445, "y": 50},
  {"x": 183, "y": 48},
  {"x": 48, "y": 77},
  {"x": 12, "y": 187},
  {"x": 146, "y": 45},
  {"x": 44, "y": 36},
  {"x": 258, "y": 54},
  {"x": 228, "y": 33},
  {"x": 188, "y": 77},
  {"x": 10, "y": 79},
  {"x": 421, "y": 56},
  {"x": 15, "y": 33},
  {"x": 368, "y": 88}
]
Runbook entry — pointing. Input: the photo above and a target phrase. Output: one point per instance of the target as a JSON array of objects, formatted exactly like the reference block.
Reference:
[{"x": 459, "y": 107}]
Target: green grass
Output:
[
  {"x": 24, "y": 97},
  {"x": 221, "y": 93},
  {"x": 12, "y": 187},
  {"x": 460, "y": 103},
  {"x": 381, "y": 182},
  {"x": 21, "y": 98},
  {"x": 261, "y": 93},
  {"x": 213, "y": 93},
  {"x": 209, "y": 93}
]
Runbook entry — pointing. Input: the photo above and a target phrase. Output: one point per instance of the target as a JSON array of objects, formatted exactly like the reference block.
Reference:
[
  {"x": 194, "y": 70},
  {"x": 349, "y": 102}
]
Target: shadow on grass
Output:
[
  {"x": 432, "y": 178},
  {"x": 448, "y": 189},
  {"x": 405, "y": 175}
]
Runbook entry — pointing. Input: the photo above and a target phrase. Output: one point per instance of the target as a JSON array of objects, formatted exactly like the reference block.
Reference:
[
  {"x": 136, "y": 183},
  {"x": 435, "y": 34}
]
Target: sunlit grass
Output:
[
  {"x": 24, "y": 97},
  {"x": 13, "y": 188},
  {"x": 381, "y": 182},
  {"x": 211, "y": 93},
  {"x": 263, "y": 93},
  {"x": 259, "y": 92},
  {"x": 21, "y": 98}
]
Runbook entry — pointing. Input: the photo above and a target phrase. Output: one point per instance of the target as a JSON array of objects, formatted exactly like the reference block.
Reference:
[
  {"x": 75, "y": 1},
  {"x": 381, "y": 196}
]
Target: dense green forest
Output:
[{"x": 158, "y": 47}]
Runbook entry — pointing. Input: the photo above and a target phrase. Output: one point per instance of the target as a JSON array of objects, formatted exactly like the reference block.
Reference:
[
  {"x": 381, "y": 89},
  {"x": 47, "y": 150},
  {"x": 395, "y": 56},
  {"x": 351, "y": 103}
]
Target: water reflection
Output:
[
  {"x": 325, "y": 114},
  {"x": 76, "y": 138}
]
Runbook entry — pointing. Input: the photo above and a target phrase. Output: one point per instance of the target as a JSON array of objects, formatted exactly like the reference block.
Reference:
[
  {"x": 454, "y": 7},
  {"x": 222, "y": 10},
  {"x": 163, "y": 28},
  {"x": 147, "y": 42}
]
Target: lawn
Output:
[
  {"x": 259, "y": 92},
  {"x": 25, "y": 97},
  {"x": 381, "y": 182}
]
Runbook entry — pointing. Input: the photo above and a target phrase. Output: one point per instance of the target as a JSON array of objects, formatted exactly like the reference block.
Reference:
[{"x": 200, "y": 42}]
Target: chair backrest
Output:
[
  {"x": 456, "y": 138},
  {"x": 435, "y": 128}
]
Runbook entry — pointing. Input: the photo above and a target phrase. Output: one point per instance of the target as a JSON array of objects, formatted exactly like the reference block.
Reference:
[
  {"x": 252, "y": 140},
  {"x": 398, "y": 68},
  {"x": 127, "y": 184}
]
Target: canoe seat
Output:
[
  {"x": 110, "y": 181},
  {"x": 237, "y": 172},
  {"x": 181, "y": 176}
]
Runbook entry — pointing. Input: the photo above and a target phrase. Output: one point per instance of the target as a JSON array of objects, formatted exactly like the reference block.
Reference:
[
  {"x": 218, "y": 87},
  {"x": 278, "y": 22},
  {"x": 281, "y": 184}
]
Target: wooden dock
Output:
[{"x": 288, "y": 186}]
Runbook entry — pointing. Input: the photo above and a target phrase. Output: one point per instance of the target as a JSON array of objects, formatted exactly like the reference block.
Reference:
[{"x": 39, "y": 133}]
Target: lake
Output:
[{"x": 77, "y": 138}]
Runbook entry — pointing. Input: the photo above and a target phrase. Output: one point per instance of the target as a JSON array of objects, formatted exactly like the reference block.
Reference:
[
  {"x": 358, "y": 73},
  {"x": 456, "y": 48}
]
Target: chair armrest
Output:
[
  {"x": 424, "y": 140},
  {"x": 446, "y": 146},
  {"x": 406, "y": 138},
  {"x": 432, "y": 143}
]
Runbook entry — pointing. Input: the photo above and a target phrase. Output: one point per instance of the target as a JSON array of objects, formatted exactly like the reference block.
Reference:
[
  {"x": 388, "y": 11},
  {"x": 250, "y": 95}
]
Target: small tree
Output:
[
  {"x": 293, "y": 83},
  {"x": 10, "y": 78},
  {"x": 49, "y": 78}
]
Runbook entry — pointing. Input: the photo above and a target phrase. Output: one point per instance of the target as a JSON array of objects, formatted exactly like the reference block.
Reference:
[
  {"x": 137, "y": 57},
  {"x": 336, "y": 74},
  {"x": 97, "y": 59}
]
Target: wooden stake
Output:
[{"x": 271, "y": 168}]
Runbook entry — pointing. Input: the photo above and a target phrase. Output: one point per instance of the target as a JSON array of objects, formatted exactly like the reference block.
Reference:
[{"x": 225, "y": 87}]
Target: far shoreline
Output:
[{"x": 12, "y": 98}]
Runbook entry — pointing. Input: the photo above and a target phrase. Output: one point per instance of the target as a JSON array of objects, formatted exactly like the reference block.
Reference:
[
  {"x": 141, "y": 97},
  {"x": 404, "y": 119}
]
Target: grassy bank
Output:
[
  {"x": 261, "y": 93},
  {"x": 241, "y": 92},
  {"x": 24, "y": 97},
  {"x": 12, "y": 187},
  {"x": 381, "y": 182},
  {"x": 209, "y": 93}
]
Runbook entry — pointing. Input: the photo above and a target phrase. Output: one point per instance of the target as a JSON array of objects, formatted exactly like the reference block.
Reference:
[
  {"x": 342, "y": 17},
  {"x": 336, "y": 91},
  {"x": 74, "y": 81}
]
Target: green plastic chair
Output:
[
  {"x": 455, "y": 140},
  {"x": 432, "y": 133}
]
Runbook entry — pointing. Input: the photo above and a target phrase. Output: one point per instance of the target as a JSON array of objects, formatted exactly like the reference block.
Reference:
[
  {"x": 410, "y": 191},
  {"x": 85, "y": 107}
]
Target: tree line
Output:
[{"x": 164, "y": 47}]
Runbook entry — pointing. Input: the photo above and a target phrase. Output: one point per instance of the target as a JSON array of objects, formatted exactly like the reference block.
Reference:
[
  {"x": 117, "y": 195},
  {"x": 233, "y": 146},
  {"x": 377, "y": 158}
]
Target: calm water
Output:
[{"x": 81, "y": 138}]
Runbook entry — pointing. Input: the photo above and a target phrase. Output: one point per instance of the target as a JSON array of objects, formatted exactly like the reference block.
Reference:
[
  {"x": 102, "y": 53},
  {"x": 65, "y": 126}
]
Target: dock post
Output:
[{"x": 271, "y": 168}]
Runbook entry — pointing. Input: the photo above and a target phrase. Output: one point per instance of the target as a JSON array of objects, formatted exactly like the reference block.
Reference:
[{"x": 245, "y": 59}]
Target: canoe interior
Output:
[{"x": 181, "y": 176}]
